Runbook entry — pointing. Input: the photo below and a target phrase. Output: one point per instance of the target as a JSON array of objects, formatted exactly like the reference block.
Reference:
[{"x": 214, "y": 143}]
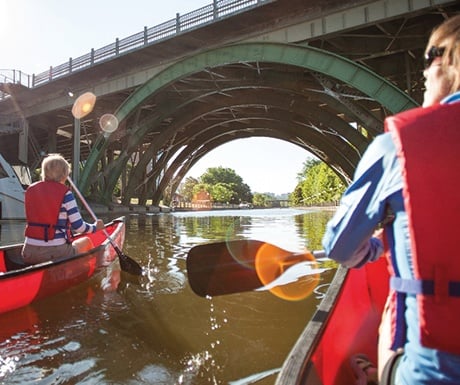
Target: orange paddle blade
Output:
[{"x": 272, "y": 261}]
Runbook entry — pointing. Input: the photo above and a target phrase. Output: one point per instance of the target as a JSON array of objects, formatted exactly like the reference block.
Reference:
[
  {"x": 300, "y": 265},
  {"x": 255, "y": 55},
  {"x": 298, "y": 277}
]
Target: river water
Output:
[{"x": 120, "y": 329}]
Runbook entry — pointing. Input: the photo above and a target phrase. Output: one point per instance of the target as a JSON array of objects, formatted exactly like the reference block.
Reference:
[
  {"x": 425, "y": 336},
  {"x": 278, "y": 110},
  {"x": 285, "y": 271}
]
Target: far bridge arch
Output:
[{"x": 181, "y": 133}]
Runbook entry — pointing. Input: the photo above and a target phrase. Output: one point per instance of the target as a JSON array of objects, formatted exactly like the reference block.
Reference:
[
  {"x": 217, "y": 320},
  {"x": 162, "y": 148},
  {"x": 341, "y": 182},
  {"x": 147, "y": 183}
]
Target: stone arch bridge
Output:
[{"x": 321, "y": 75}]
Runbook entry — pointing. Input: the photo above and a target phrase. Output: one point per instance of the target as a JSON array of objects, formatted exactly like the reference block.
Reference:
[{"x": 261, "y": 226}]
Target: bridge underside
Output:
[
  {"x": 325, "y": 97},
  {"x": 324, "y": 103}
]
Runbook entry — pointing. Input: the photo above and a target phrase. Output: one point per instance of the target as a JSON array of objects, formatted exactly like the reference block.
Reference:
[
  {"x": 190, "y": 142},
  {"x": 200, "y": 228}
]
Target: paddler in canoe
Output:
[
  {"x": 407, "y": 183},
  {"x": 51, "y": 211}
]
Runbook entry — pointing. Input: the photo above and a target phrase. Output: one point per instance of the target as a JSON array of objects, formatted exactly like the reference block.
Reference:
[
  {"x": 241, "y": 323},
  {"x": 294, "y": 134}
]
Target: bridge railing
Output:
[
  {"x": 12, "y": 77},
  {"x": 210, "y": 13}
]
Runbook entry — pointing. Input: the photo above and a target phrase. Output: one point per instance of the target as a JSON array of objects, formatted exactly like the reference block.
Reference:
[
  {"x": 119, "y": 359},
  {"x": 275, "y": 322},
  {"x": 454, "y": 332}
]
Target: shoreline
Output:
[{"x": 137, "y": 209}]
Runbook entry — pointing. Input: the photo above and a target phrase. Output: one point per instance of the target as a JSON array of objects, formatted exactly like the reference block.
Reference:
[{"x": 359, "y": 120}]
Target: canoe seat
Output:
[{"x": 12, "y": 259}]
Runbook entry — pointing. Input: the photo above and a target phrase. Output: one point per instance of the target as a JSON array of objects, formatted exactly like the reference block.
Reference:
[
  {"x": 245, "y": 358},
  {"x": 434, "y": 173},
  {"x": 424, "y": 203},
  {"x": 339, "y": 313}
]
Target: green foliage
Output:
[
  {"x": 222, "y": 192},
  {"x": 225, "y": 185},
  {"x": 198, "y": 187},
  {"x": 215, "y": 175},
  {"x": 296, "y": 198},
  {"x": 187, "y": 188},
  {"x": 317, "y": 184},
  {"x": 260, "y": 200}
]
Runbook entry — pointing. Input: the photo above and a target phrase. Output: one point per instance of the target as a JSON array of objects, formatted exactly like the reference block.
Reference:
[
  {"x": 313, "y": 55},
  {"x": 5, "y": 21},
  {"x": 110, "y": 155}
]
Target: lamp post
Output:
[
  {"x": 81, "y": 107},
  {"x": 76, "y": 151}
]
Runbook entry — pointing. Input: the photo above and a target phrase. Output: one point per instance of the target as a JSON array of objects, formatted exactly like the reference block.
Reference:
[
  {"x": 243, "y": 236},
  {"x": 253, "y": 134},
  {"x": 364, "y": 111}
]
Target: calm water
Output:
[{"x": 116, "y": 329}]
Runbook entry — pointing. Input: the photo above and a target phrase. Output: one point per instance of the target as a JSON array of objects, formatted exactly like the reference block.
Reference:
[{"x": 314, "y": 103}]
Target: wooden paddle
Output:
[
  {"x": 229, "y": 267},
  {"x": 126, "y": 263}
]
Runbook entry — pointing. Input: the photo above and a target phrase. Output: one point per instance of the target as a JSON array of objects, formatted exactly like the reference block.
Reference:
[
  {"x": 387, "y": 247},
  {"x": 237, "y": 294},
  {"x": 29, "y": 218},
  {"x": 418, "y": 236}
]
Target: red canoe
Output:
[
  {"x": 20, "y": 286},
  {"x": 346, "y": 323}
]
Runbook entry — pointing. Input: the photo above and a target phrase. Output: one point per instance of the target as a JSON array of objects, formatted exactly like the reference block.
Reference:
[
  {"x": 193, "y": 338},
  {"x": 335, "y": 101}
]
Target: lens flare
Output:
[
  {"x": 83, "y": 105},
  {"x": 241, "y": 250},
  {"x": 271, "y": 262},
  {"x": 108, "y": 123}
]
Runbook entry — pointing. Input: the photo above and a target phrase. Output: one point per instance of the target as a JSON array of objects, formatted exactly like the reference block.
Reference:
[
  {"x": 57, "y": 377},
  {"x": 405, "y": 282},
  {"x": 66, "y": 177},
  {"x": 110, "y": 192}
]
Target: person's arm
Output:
[
  {"x": 348, "y": 237},
  {"x": 76, "y": 221}
]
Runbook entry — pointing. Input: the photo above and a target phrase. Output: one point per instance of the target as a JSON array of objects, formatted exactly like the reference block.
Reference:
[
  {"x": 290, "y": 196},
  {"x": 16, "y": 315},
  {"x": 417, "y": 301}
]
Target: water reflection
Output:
[{"x": 153, "y": 329}]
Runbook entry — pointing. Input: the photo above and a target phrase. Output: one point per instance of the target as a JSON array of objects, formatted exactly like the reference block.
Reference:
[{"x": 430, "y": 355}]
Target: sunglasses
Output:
[{"x": 432, "y": 54}]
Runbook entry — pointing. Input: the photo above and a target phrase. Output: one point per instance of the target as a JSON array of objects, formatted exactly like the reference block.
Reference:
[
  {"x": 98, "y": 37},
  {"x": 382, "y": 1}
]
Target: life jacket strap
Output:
[
  {"x": 46, "y": 227},
  {"x": 422, "y": 286}
]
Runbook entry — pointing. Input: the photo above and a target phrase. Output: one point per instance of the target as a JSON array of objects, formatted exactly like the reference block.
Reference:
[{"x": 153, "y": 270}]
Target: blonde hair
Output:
[
  {"x": 447, "y": 36},
  {"x": 55, "y": 168}
]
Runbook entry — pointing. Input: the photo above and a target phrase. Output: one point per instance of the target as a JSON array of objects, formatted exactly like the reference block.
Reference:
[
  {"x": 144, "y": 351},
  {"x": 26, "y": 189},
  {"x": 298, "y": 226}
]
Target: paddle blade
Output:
[
  {"x": 128, "y": 264},
  {"x": 223, "y": 267},
  {"x": 272, "y": 264}
]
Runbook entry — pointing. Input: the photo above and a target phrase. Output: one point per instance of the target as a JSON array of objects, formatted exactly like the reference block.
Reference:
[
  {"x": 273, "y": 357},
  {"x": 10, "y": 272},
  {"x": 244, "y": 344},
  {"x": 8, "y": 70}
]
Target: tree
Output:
[
  {"x": 222, "y": 192},
  {"x": 187, "y": 188},
  {"x": 296, "y": 198},
  {"x": 199, "y": 187},
  {"x": 227, "y": 178},
  {"x": 318, "y": 184},
  {"x": 260, "y": 200}
]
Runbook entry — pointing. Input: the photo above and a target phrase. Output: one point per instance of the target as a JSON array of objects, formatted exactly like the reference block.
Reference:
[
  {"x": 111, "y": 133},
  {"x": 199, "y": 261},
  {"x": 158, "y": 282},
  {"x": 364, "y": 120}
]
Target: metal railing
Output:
[
  {"x": 13, "y": 77},
  {"x": 219, "y": 9}
]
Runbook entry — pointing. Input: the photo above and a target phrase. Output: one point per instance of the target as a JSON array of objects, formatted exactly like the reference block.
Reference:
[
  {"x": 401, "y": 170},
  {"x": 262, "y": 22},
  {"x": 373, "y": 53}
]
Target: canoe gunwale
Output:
[
  {"x": 346, "y": 323},
  {"x": 296, "y": 366},
  {"x": 49, "y": 264},
  {"x": 24, "y": 285}
]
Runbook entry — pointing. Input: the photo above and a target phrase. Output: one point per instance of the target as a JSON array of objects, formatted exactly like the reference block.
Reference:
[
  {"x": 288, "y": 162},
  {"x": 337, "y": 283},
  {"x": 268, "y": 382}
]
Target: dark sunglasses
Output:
[{"x": 432, "y": 54}]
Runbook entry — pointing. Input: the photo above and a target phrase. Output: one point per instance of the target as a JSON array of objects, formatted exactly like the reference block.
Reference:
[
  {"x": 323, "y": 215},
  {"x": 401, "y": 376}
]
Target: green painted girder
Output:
[
  {"x": 310, "y": 58},
  {"x": 216, "y": 135},
  {"x": 189, "y": 157},
  {"x": 300, "y": 110},
  {"x": 294, "y": 127},
  {"x": 199, "y": 152}
]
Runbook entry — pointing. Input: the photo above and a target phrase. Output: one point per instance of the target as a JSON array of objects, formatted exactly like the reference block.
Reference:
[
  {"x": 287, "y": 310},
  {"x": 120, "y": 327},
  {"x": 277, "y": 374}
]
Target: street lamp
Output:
[{"x": 82, "y": 106}]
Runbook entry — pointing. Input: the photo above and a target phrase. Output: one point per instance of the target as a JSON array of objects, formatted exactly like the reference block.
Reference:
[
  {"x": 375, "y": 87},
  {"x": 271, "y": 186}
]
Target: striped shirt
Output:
[{"x": 68, "y": 213}]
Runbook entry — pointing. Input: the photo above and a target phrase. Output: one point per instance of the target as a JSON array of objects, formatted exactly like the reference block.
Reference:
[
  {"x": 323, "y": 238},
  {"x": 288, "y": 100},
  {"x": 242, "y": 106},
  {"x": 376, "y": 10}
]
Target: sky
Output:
[{"x": 35, "y": 35}]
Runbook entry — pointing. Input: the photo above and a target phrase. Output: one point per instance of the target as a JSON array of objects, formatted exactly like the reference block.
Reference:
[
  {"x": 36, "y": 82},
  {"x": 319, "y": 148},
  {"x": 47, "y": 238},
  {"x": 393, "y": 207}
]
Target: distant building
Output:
[{"x": 202, "y": 199}]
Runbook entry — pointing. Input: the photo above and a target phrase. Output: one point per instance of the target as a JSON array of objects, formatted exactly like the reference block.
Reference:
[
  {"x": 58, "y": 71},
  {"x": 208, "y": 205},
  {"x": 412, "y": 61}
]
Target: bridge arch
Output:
[
  {"x": 319, "y": 62},
  {"x": 302, "y": 112}
]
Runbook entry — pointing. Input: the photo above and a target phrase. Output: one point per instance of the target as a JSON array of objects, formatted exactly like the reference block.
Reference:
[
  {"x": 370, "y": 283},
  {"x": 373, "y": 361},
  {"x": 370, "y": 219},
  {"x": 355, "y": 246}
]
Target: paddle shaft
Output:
[
  {"x": 126, "y": 263},
  {"x": 93, "y": 215}
]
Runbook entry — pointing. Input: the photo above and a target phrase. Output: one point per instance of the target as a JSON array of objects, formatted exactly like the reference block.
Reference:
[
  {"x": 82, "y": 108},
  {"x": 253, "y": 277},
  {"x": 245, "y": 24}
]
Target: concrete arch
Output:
[{"x": 310, "y": 58}]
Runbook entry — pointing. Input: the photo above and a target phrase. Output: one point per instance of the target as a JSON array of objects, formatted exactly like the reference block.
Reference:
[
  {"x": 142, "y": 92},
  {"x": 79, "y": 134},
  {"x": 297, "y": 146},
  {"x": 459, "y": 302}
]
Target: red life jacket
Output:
[
  {"x": 43, "y": 201},
  {"x": 428, "y": 145}
]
